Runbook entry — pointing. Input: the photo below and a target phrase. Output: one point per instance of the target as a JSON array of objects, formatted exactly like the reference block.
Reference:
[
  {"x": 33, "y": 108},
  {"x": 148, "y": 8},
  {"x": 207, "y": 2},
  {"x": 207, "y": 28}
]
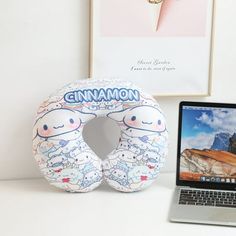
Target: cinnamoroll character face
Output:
[
  {"x": 91, "y": 177},
  {"x": 151, "y": 155},
  {"x": 124, "y": 155},
  {"x": 141, "y": 118},
  {"x": 119, "y": 174},
  {"x": 137, "y": 140},
  {"x": 140, "y": 173},
  {"x": 152, "y": 159},
  {"x": 59, "y": 122},
  {"x": 84, "y": 158},
  {"x": 56, "y": 161},
  {"x": 125, "y": 145}
]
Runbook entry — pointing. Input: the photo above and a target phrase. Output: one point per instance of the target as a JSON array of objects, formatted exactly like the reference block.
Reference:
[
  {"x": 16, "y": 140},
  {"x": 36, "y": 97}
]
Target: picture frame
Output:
[{"x": 163, "y": 59}]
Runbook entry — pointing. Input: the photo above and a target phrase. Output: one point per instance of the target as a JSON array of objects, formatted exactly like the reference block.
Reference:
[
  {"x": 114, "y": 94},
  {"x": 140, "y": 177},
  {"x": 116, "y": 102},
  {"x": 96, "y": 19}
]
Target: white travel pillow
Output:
[{"x": 66, "y": 160}]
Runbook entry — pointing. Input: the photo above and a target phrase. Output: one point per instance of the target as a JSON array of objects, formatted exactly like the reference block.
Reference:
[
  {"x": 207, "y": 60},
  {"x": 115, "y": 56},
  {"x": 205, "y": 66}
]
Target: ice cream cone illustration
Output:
[{"x": 155, "y": 10}]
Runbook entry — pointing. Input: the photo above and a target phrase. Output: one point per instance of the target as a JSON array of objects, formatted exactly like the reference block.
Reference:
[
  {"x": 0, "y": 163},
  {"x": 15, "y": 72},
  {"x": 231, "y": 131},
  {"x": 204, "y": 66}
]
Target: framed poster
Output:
[{"x": 164, "y": 46}]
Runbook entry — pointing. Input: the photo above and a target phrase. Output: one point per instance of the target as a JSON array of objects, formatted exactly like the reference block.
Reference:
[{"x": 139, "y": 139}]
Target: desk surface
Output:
[{"x": 33, "y": 208}]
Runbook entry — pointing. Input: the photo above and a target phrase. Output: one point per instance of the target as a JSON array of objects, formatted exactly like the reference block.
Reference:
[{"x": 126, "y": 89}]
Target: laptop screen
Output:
[{"x": 207, "y": 150}]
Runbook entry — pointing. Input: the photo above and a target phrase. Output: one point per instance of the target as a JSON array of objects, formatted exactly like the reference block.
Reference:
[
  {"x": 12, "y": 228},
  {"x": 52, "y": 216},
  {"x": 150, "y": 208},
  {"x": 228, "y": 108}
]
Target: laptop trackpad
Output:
[{"x": 202, "y": 214}]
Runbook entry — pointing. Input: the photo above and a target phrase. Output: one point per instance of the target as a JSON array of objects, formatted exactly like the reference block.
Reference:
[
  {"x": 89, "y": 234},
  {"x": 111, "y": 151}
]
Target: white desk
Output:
[{"x": 33, "y": 208}]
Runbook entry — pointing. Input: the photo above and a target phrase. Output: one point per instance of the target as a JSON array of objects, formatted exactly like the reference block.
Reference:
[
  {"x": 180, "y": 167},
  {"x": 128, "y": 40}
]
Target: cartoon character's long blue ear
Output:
[
  {"x": 118, "y": 115},
  {"x": 85, "y": 117}
]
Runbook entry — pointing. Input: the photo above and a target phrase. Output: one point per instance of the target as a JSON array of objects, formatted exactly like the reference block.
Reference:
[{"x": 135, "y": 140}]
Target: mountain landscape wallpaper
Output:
[{"x": 208, "y": 144}]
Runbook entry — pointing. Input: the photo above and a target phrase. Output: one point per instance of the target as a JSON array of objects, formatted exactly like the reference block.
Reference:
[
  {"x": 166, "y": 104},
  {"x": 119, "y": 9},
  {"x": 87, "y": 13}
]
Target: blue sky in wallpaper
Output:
[
  {"x": 191, "y": 125},
  {"x": 200, "y": 125}
]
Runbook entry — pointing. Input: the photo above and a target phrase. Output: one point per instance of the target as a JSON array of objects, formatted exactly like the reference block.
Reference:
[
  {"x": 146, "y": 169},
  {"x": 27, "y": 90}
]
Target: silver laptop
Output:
[{"x": 206, "y": 165}]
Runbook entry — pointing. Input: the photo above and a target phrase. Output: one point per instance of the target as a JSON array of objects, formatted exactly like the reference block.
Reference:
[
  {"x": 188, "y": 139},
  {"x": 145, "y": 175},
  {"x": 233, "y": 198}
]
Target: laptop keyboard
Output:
[{"x": 207, "y": 198}]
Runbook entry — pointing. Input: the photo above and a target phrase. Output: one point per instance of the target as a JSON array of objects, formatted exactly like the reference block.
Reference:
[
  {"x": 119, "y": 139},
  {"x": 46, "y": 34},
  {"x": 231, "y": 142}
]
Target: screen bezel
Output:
[{"x": 196, "y": 184}]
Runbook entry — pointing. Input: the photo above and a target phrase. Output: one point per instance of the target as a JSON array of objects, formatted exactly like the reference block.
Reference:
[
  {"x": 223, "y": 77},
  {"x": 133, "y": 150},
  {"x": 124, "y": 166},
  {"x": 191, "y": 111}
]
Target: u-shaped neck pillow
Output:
[{"x": 66, "y": 160}]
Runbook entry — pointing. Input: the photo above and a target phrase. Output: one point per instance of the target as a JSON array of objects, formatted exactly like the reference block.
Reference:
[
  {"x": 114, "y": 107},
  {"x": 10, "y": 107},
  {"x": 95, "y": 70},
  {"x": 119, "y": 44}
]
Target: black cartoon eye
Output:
[
  {"x": 76, "y": 159},
  {"x": 123, "y": 155},
  {"x": 124, "y": 176},
  {"x": 45, "y": 127},
  {"x": 87, "y": 157},
  {"x": 72, "y": 121},
  {"x": 134, "y": 157},
  {"x": 133, "y": 118},
  {"x": 159, "y": 122}
]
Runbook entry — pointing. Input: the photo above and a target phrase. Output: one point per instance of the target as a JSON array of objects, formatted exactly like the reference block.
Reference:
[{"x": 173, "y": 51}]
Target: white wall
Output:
[{"x": 44, "y": 44}]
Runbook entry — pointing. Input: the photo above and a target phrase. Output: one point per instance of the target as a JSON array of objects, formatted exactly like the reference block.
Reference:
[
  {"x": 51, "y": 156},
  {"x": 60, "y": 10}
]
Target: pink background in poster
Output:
[{"x": 133, "y": 18}]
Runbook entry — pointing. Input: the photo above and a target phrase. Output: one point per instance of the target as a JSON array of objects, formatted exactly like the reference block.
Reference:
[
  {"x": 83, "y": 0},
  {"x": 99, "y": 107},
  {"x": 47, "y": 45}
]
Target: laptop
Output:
[{"x": 206, "y": 165}]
